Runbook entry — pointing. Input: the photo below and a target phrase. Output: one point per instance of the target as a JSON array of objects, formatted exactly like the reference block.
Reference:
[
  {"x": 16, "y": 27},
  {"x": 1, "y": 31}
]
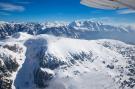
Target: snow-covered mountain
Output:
[
  {"x": 77, "y": 29},
  {"x": 77, "y": 55},
  {"x": 50, "y": 62}
]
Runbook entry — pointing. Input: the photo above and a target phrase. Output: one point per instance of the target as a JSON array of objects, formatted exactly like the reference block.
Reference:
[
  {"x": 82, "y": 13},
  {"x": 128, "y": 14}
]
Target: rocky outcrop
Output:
[
  {"x": 42, "y": 76},
  {"x": 9, "y": 64}
]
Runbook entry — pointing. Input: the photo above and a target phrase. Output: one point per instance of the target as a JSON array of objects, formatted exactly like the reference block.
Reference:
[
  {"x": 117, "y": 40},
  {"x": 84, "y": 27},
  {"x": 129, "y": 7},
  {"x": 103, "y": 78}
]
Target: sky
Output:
[{"x": 58, "y": 10}]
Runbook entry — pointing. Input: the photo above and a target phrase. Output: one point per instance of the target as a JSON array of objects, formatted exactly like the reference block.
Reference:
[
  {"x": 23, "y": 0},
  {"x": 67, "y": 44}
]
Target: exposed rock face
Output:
[
  {"x": 10, "y": 55},
  {"x": 5, "y": 82},
  {"x": 42, "y": 76},
  {"x": 50, "y": 61}
]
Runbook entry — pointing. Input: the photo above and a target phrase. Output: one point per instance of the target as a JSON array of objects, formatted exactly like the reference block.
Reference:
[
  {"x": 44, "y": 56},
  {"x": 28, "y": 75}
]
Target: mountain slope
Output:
[{"x": 64, "y": 63}]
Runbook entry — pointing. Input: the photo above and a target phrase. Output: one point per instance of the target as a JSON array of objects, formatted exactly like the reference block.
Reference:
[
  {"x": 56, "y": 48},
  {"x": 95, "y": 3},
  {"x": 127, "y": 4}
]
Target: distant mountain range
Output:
[{"x": 77, "y": 29}]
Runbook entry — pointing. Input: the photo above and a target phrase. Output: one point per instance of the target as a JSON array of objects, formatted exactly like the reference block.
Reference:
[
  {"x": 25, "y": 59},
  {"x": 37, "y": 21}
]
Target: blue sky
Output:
[{"x": 57, "y": 10}]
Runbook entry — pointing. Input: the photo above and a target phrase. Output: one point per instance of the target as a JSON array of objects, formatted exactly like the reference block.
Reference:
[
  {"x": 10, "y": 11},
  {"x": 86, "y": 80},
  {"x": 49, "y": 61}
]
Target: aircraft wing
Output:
[{"x": 109, "y": 4}]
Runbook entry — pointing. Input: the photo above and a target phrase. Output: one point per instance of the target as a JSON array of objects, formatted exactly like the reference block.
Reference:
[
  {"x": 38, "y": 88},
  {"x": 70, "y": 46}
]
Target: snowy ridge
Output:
[
  {"x": 66, "y": 63},
  {"x": 78, "y": 29},
  {"x": 12, "y": 56}
]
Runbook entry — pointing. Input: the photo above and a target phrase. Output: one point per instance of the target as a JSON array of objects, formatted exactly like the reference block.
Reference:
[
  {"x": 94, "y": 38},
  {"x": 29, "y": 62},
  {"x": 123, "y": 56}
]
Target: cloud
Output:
[
  {"x": 11, "y": 7},
  {"x": 4, "y": 13},
  {"x": 133, "y": 25},
  {"x": 126, "y": 11},
  {"x": 106, "y": 20},
  {"x": 23, "y": 2},
  {"x": 113, "y": 21}
]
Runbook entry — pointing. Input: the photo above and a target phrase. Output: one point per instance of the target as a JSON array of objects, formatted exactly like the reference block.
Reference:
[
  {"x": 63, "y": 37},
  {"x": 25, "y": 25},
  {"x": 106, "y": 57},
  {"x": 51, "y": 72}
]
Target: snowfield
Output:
[
  {"x": 77, "y": 55},
  {"x": 50, "y": 62}
]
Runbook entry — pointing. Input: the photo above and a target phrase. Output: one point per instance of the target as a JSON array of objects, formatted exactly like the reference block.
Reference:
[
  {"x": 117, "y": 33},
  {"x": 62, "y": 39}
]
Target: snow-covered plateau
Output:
[{"x": 78, "y": 55}]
